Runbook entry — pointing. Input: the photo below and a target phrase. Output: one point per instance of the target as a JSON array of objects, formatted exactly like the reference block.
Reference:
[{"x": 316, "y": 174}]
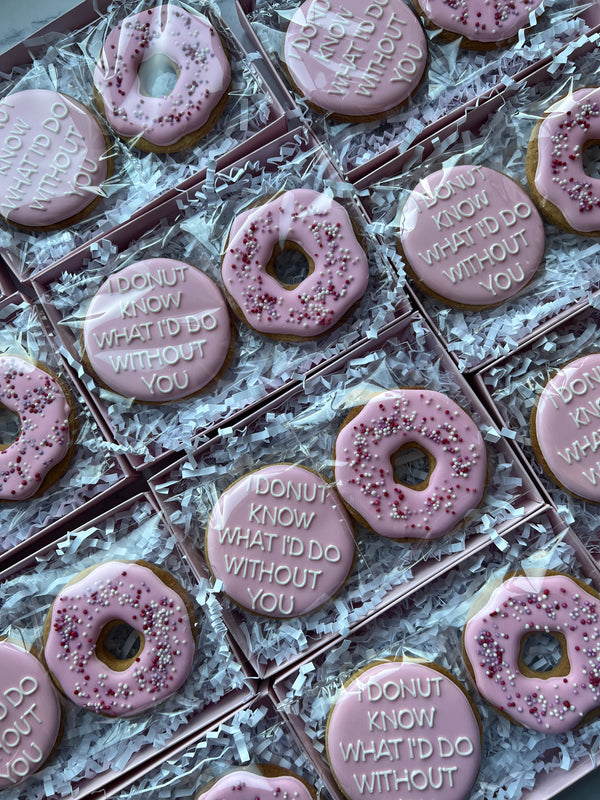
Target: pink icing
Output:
[
  {"x": 30, "y": 715},
  {"x": 364, "y": 473},
  {"x": 44, "y": 437},
  {"x": 560, "y": 177},
  {"x": 52, "y": 158},
  {"x": 191, "y": 44},
  {"x": 471, "y": 235},
  {"x": 492, "y": 640},
  {"x": 135, "y": 595},
  {"x": 403, "y": 729},
  {"x": 480, "y": 20},
  {"x": 355, "y": 58},
  {"x": 247, "y": 785},
  {"x": 157, "y": 330},
  {"x": 280, "y": 541},
  {"x": 567, "y": 428},
  {"x": 322, "y": 229}
]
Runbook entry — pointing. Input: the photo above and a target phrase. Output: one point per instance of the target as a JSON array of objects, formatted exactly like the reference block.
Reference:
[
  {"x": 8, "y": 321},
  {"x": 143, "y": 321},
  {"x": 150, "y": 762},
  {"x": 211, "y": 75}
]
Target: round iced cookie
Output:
[
  {"x": 565, "y": 429},
  {"x": 480, "y": 24},
  {"x": 559, "y": 184},
  {"x": 403, "y": 728},
  {"x": 76, "y": 638},
  {"x": 280, "y": 541},
  {"x": 42, "y": 449},
  {"x": 53, "y": 159},
  {"x": 30, "y": 715},
  {"x": 355, "y": 59},
  {"x": 471, "y": 236},
  {"x": 338, "y": 269},
  {"x": 373, "y": 435},
  {"x": 554, "y": 604},
  {"x": 162, "y": 79},
  {"x": 158, "y": 330},
  {"x": 265, "y": 782}
]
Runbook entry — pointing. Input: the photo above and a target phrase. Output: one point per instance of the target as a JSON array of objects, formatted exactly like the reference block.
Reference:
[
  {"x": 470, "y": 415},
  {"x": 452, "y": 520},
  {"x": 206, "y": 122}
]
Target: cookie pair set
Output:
[
  {"x": 56, "y": 156},
  {"x": 82, "y": 656}
]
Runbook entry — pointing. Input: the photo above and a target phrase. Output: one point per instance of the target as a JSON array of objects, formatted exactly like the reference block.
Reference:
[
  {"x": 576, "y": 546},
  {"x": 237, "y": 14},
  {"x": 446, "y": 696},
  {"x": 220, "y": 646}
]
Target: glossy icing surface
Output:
[
  {"x": 355, "y": 58},
  {"x": 168, "y": 33},
  {"x": 479, "y": 20},
  {"x": 44, "y": 437},
  {"x": 52, "y": 158},
  {"x": 471, "y": 235},
  {"x": 30, "y": 715},
  {"x": 560, "y": 176},
  {"x": 135, "y": 595},
  {"x": 367, "y": 444},
  {"x": 522, "y": 605},
  {"x": 245, "y": 785},
  {"x": 280, "y": 540},
  {"x": 403, "y": 729},
  {"x": 322, "y": 229},
  {"x": 157, "y": 330},
  {"x": 567, "y": 426}
]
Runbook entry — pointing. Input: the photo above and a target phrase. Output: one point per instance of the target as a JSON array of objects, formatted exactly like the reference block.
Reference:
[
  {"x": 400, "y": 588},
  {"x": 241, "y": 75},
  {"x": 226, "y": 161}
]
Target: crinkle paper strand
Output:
[
  {"x": 455, "y": 76},
  {"x": 138, "y": 178},
  {"x": 429, "y": 625},
  {"x": 571, "y": 267},
  {"x": 92, "y": 744},
  {"x": 307, "y": 425},
  {"x": 260, "y": 365},
  {"x": 92, "y": 471},
  {"x": 252, "y": 736}
]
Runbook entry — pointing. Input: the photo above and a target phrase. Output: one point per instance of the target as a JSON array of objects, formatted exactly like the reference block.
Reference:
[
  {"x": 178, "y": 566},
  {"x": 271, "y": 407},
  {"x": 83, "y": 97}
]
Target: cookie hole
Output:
[
  {"x": 590, "y": 160},
  {"x": 119, "y": 645},
  {"x": 412, "y": 466},
  {"x": 542, "y": 653},
  {"x": 157, "y": 76},
  {"x": 290, "y": 265},
  {"x": 9, "y": 427}
]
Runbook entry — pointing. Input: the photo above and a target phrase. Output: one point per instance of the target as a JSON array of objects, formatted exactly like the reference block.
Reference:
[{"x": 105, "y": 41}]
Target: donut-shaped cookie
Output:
[
  {"x": 158, "y": 330},
  {"x": 30, "y": 715},
  {"x": 338, "y": 268},
  {"x": 471, "y": 236},
  {"x": 53, "y": 159},
  {"x": 550, "y": 701},
  {"x": 355, "y": 60},
  {"x": 141, "y": 596},
  {"x": 480, "y": 24},
  {"x": 280, "y": 541},
  {"x": 374, "y": 434},
  {"x": 562, "y": 189},
  {"x": 47, "y": 428},
  {"x": 162, "y": 41},
  {"x": 565, "y": 429},
  {"x": 264, "y": 782},
  {"x": 403, "y": 729}
]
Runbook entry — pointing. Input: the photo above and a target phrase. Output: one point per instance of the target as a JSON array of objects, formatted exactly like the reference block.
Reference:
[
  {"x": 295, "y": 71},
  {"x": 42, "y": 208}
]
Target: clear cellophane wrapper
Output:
[
  {"x": 93, "y": 744},
  {"x": 259, "y": 365},
  {"x": 454, "y": 76},
  {"x": 138, "y": 178},
  {"x": 303, "y": 430},
  {"x": 571, "y": 267},
  {"x": 428, "y": 626}
]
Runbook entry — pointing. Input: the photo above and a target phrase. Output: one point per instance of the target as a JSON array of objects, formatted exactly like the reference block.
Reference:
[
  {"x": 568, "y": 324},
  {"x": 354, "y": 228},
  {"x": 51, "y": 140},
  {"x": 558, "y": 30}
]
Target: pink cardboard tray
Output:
[
  {"x": 104, "y": 749},
  {"x": 304, "y": 420},
  {"x": 427, "y": 625},
  {"x": 193, "y": 227},
  {"x": 253, "y": 116}
]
